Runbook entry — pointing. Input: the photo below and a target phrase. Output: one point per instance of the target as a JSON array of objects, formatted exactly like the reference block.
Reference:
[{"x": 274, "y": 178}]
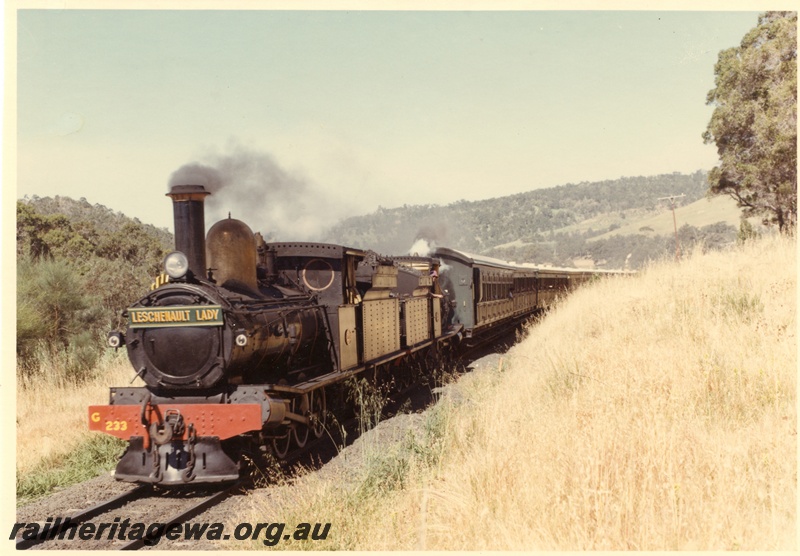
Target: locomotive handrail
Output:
[{"x": 260, "y": 303}]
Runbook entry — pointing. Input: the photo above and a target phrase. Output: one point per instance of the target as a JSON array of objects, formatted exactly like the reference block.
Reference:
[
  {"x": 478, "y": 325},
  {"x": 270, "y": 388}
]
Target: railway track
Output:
[
  {"x": 144, "y": 504},
  {"x": 85, "y": 515},
  {"x": 188, "y": 513}
]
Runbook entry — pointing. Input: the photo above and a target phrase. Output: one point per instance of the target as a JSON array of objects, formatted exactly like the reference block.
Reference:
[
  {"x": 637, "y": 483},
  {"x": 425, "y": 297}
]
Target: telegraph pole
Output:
[{"x": 671, "y": 199}]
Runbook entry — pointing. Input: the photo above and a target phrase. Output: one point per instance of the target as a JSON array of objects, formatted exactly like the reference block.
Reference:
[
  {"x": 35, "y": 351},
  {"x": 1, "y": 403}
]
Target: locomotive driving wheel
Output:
[
  {"x": 300, "y": 431},
  {"x": 318, "y": 412},
  {"x": 281, "y": 444}
]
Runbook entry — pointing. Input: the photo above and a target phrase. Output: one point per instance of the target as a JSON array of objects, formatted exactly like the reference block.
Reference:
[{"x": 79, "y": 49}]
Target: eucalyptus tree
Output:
[{"x": 754, "y": 123}]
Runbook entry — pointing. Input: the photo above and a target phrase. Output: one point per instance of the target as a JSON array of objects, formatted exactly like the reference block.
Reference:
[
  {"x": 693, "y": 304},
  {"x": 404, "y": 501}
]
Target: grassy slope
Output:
[
  {"x": 54, "y": 446},
  {"x": 656, "y": 412},
  {"x": 700, "y": 213}
]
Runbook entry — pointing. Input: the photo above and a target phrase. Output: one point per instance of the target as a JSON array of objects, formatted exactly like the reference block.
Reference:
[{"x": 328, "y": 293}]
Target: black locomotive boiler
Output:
[{"x": 242, "y": 340}]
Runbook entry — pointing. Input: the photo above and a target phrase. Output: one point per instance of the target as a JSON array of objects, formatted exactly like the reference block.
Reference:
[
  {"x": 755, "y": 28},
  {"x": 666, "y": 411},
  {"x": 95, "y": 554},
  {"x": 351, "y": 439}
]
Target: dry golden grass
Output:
[
  {"x": 656, "y": 412},
  {"x": 52, "y": 414}
]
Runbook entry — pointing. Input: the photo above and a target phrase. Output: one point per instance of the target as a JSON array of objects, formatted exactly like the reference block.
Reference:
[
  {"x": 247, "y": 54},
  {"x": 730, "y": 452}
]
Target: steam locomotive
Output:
[{"x": 242, "y": 340}]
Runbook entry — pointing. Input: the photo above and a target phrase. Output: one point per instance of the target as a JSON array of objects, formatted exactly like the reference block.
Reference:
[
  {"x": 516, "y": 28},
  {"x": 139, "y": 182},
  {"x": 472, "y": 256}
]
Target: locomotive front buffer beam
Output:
[{"x": 175, "y": 443}]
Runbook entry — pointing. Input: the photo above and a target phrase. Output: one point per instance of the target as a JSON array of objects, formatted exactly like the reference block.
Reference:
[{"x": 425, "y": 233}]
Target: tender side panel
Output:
[
  {"x": 417, "y": 320},
  {"x": 381, "y": 327}
]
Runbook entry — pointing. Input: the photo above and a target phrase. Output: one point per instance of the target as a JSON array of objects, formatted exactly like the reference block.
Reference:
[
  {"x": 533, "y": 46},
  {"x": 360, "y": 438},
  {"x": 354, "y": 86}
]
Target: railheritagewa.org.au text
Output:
[{"x": 125, "y": 530}]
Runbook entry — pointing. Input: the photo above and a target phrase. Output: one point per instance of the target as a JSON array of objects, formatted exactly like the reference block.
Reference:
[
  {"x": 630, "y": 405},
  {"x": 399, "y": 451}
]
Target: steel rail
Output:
[
  {"x": 189, "y": 513},
  {"x": 49, "y": 533}
]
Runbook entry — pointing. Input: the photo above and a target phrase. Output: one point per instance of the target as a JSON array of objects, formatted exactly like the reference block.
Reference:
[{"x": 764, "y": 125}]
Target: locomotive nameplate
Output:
[{"x": 191, "y": 315}]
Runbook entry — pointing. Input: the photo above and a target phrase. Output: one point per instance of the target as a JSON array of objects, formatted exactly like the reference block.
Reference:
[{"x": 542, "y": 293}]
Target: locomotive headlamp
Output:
[{"x": 176, "y": 265}]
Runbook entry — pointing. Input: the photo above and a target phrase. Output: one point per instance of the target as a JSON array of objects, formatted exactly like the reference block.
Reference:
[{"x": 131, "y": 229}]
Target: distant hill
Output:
[
  {"x": 592, "y": 224},
  {"x": 609, "y": 224},
  {"x": 101, "y": 217},
  {"x": 699, "y": 213}
]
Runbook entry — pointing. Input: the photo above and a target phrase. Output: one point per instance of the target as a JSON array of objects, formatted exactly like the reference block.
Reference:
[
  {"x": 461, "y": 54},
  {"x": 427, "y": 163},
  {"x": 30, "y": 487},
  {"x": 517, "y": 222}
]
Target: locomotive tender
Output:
[{"x": 244, "y": 338}]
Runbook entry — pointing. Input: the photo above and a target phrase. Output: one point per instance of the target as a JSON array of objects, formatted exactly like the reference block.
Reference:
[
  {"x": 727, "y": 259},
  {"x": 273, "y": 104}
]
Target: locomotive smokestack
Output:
[{"x": 190, "y": 232}]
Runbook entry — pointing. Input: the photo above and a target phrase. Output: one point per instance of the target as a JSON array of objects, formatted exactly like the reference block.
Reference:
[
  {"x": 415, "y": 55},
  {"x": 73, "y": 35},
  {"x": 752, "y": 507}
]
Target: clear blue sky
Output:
[{"x": 362, "y": 108}]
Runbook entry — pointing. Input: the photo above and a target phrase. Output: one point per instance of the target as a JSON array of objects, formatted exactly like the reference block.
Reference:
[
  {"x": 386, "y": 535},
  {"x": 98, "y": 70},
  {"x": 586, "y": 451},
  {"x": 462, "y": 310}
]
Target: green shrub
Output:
[
  {"x": 58, "y": 321},
  {"x": 98, "y": 454}
]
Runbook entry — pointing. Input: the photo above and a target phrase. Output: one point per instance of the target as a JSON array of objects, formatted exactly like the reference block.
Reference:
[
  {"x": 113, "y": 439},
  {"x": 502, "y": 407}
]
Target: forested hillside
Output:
[
  {"x": 543, "y": 225},
  {"x": 78, "y": 266}
]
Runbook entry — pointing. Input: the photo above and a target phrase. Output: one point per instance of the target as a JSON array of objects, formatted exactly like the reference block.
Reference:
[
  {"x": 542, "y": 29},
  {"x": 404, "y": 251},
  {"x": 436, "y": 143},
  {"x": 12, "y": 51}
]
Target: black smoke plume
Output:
[{"x": 254, "y": 188}]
